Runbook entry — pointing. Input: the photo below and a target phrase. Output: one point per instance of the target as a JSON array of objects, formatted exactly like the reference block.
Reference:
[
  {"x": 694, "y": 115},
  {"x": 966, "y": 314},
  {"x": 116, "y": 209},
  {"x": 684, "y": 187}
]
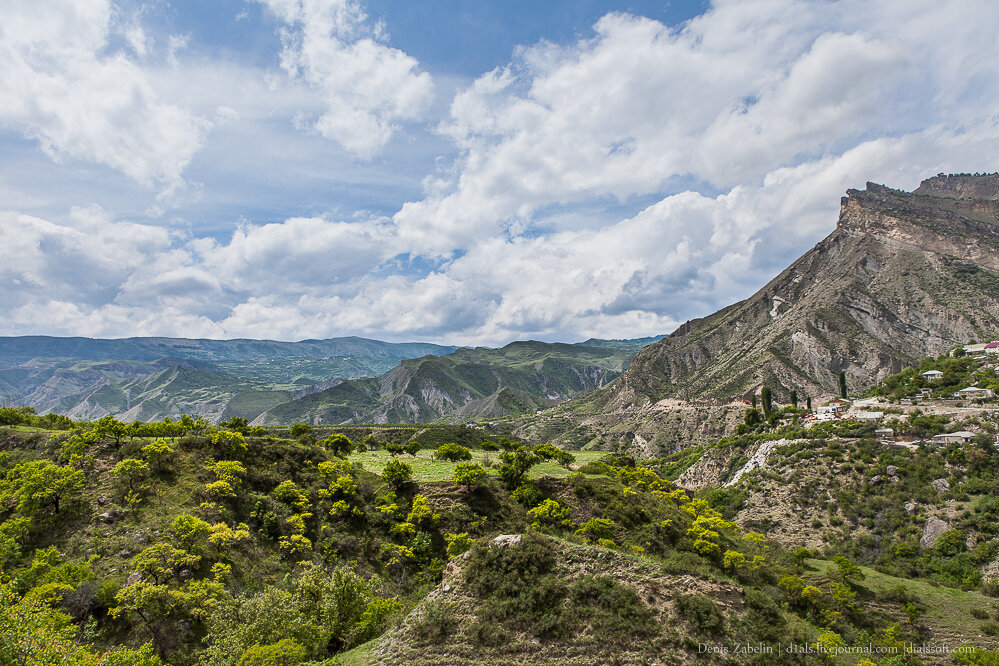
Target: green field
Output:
[{"x": 427, "y": 469}]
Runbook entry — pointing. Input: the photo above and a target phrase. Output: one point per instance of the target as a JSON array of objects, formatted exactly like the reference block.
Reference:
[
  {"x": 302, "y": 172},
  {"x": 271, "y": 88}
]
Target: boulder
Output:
[
  {"x": 932, "y": 531},
  {"x": 875, "y": 480},
  {"x": 941, "y": 485},
  {"x": 892, "y": 470},
  {"x": 133, "y": 578},
  {"x": 910, "y": 507},
  {"x": 504, "y": 540}
]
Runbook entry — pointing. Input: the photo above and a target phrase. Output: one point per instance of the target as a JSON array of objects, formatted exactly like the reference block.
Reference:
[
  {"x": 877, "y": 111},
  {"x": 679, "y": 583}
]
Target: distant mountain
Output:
[
  {"x": 904, "y": 275},
  {"x": 171, "y": 392},
  {"x": 519, "y": 378},
  {"x": 75, "y": 374}
]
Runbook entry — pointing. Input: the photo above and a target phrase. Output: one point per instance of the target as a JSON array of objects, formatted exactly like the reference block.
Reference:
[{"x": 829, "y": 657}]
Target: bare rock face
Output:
[
  {"x": 941, "y": 485},
  {"x": 932, "y": 531},
  {"x": 904, "y": 275}
]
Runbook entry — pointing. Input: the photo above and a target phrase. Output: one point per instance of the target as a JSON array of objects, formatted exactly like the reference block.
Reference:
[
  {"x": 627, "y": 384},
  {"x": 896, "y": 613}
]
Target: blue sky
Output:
[{"x": 456, "y": 171}]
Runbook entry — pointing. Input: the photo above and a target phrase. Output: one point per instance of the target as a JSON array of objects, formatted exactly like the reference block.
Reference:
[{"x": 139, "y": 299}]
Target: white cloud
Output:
[
  {"x": 565, "y": 215},
  {"x": 59, "y": 86},
  {"x": 367, "y": 87}
]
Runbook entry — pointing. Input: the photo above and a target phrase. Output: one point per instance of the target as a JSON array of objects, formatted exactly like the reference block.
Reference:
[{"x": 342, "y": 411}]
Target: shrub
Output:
[
  {"x": 701, "y": 612},
  {"x": 550, "y": 515},
  {"x": 597, "y": 528},
  {"x": 299, "y": 429},
  {"x": 615, "y": 611},
  {"x": 437, "y": 622},
  {"x": 397, "y": 473},
  {"x": 285, "y": 652},
  {"x": 338, "y": 444},
  {"x": 452, "y": 453},
  {"x": 468, "y": 475}
]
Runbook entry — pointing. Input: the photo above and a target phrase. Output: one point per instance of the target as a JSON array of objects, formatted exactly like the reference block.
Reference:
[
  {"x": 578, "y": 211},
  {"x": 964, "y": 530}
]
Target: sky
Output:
[{"x": 460, "y": 171}]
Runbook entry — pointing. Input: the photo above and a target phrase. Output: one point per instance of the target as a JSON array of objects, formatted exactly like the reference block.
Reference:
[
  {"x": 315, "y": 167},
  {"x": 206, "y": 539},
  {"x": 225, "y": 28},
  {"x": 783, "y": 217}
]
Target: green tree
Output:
[
  {"x": 228, "y": 443},
  {"x": 299, "y": 429},
  {"x": 113, "y": 428},
  {"x": 190, "y": 530},
  {"x": 842, "y": 384},
  {"x": 515, "y": 465},
  {"x": 794, "y": 399},
  {"x": 766, "y": 396},
  {"x": 338, "y": 444},
  {"x": 452, "y": 453},
  {"x": 158, "y": 454},
  {"x": 397, "y": 473},
  {"x": 42, "y": 484},
  {"x": 468, "y": 475},
  {"x": 131, "y": 471}
]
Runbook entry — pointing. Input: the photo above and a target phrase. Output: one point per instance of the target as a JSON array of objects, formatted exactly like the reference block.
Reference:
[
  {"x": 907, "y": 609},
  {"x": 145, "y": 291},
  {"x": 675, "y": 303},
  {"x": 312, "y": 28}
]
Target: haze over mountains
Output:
[{"x": 322, "y": 381}]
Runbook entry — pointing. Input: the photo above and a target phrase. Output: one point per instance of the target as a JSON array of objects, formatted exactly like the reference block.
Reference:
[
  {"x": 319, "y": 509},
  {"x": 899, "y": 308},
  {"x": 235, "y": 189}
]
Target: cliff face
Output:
[{"x": 904, "y": 275}]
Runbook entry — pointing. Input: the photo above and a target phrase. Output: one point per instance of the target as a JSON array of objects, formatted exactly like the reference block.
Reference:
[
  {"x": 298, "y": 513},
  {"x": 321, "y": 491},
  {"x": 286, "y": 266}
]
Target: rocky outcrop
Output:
[
  {"x": 932, "y": 531},
  {"x": 903, "y": 276}
]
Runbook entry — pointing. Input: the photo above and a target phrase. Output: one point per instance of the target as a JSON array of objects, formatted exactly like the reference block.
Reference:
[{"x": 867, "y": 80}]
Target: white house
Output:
[
  {"x": 932, "y": 375},
  {"x": 974, "y": 393},
  {"x": 869, "y": 416},
  {"x": 992, "y": 348},
  {"x": 885, "y": 434},
  {"x": 959, "y": 437},
  {"x": 975, "y": 349}
]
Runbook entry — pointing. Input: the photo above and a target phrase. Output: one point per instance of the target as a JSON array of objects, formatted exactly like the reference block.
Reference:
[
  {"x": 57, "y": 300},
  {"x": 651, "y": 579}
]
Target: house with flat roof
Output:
[
  {"x": 959, "y": 437},
  {"x": 974, "y": 393},
  {"x": 885, "y": 434},
  {"x": 932, "y": 375}
]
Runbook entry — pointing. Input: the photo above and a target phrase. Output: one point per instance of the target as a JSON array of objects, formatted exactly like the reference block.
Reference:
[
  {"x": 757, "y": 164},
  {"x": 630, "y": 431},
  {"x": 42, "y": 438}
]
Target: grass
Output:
[
  {"x": 947, "y": 610},
  {"x": 426, "y": 469},
  {"x": 362, "y": 655}
]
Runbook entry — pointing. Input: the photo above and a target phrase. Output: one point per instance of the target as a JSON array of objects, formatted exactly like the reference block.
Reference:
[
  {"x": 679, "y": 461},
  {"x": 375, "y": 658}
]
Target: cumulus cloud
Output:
[
  {"x": 60, "y": 87},
  {"x": 368, "y": 88},
  {"x": 613, "y": 187}
]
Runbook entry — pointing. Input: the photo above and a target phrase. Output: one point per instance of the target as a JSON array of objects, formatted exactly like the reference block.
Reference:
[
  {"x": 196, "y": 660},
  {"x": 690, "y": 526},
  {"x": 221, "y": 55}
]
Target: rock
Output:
[
  {"x": 107, "y": 517},
  {"x": 894, "y": 479},
  {"x": 507, "y": 539},
  {"x": 102, "y": 500},
  {"x": 910, "y": 507},
  {"x": 133, "y": 578},
  {"x": 875, "y": 480},
  {"x": 942, "y": 485},
  {"x": 125, "y": 553},
  {"x": 892, "y": 470},
  {"x": 932, "y": 531},
  {"x": 447, "y": 587},
  {"x": 185, "y": 574},
  {"x": 141, "y": 539}
]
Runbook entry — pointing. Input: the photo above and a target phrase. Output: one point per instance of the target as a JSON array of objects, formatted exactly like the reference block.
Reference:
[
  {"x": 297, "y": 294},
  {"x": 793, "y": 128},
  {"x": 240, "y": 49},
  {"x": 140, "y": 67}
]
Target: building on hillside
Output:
[
  {"x": 932, "y": 375},
  {"x": 959, "y": 437},
  {"x": 974, "y": 393},
  {"x": 869, "y": 416},
  {"x": 975, "y": 349},
  {"x": 830, "y": 410},
  {"x": 925, "y": 392},
  {"x": 885, "y": 434},
  {"x": 992, "y": 348}
]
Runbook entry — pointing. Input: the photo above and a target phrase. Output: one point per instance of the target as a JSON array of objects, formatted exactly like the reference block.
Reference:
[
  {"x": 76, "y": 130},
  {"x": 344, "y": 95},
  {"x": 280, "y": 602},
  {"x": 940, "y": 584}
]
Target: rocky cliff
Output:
[{"x": 903, "y": 276}]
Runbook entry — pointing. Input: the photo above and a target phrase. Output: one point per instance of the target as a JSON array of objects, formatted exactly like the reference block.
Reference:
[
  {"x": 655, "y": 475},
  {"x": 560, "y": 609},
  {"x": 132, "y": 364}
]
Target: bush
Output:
[
  {"x": 397, "y": 473},
  {"x": 701, "y": 612},
  {"x": 615, "y": 611},
  {"x": 452, "y": 453},
  {"x": 550, "y": 515},
  {"x": 299, "y": 429},
  {"x": 285, "y": 652},
  {"x": 437, "y": 622},
  {"x": 468, "y": 475}
]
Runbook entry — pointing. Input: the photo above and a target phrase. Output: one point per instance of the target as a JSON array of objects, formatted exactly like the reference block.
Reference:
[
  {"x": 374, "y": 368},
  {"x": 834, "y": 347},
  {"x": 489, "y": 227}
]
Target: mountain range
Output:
[
  {"x": 341, "y": 380},
  {"x": 904, "y": 275}
]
